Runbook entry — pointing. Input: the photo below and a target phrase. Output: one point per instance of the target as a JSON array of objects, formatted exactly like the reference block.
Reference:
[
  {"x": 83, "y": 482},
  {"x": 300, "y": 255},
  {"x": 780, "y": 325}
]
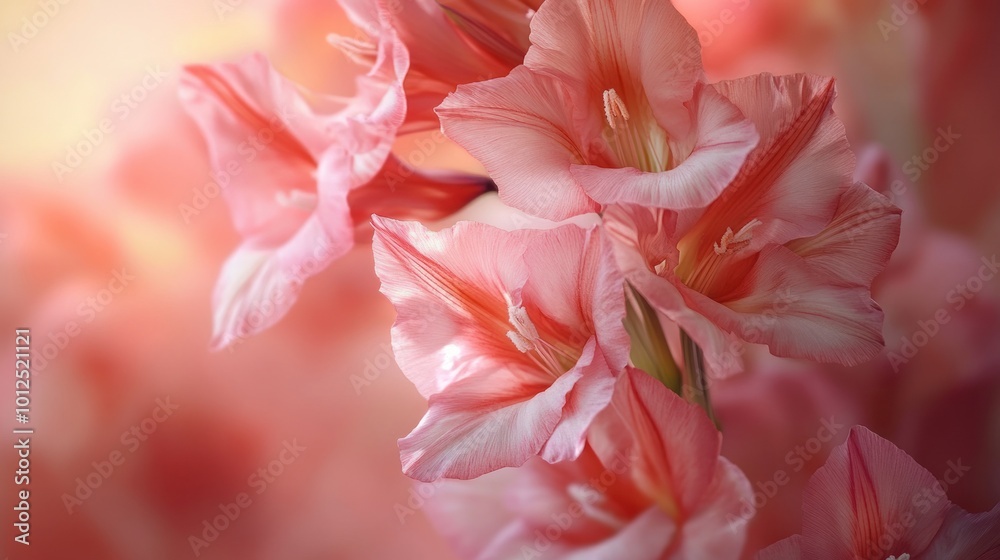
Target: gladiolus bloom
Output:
[
  {"x": 651, "y": 487},
  {"x": 787, "y": 254},
  {"x": 300, "y": 176},
  {"x": 872, "y": 501},
  {"x": 514, "y": 337},
  {"x": 608, "y": 107}
]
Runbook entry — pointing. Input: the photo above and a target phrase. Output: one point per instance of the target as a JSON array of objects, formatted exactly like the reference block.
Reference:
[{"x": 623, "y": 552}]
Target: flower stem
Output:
[
  {"x": 695, "y": 377},
  {"x": 650, "y": 351}
]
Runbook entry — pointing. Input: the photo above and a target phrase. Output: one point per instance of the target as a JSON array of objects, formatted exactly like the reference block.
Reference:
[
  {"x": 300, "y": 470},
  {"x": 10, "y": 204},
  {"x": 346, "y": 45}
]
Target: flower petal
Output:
[
  {"x": 710, "y": 157},
  {"x": 975, "y": 536},
  {"x": 642, "y": 241},
  {"x": 519, "y": 128},
  {"x": 857, "y": 244},
  {"x": 257, "y": 287},
  {"x": 675, "y": 447},
  {"x": 484, "y": 423},
  {"x": 794, "y": 178},
  {"x": 448, "y": 289},
  {"x": 869, "y": 500},
  {"x": 597, "y": 45},
  {"x": 647, "y": 537},
  {"x": 719, "y": 530},
  {"x": 796, "y": 311},
  {"x": 256, "y": 122},
  {"x": 589, "y": 397},
  {"x": 787, "y": 549},
  {"x": 581, "y": 287}
]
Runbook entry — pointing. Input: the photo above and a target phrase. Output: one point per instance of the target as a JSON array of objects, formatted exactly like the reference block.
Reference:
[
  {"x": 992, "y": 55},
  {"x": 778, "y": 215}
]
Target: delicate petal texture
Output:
[
  {"x": 515, "y": 337},
  {"x": 609, "y": 107},
  {"x": 787, "y": 253},
  {"x": 719, "y": 529},
  {"x": 573, "y": 276},
  {"x": 440, "y": 283},
  {"x": 431, "y": 36},
  {"x": 713, "y": 154},
  {"x": 787, "y": 549},
  {"x": 797, "y": 311},
  {"x": 675, "y": 446},
  {"x": 647, "y": 537},
  {"x": 967, "y": 536},
  {"x": 794, "y": 178},
  {"x": 257, "y": 287},
  {"x": 289, "y": 167},
  {"x": 238, "y": 108},
  {"x": 649, "y": 486},
  {"x": 527, "y": 147},
  {"x": 590, "y": 396},
  {"x": 499, "y": 28},
  {"x": 597, "y": 45},
  {"x": 482, "y": 424},
  {"x": 869, "y": 500},
  {"x": 642, "y": 239},
  {"x": 855, "y": 247}
]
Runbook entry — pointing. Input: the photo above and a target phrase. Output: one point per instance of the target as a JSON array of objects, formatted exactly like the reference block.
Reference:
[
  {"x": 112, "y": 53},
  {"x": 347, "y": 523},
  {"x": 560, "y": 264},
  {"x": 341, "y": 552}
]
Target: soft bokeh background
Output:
[{"x": 324, "y": 378}]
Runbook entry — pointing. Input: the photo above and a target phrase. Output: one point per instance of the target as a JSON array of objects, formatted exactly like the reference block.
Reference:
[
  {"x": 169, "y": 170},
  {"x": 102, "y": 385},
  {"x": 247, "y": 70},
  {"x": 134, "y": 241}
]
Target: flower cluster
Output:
[{"x": 673, "y": 222}]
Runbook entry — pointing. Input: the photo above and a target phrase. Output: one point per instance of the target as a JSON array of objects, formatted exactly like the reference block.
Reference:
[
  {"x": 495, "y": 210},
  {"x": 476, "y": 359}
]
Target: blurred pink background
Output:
[{"x": 113, "y": 351}]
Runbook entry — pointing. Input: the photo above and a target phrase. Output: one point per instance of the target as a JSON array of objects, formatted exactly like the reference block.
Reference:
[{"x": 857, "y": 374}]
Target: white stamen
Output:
[
  {"x": 296, "y": 199},
  {"x": 901, "y": 557},
  {"x": 525, "y": 332},
  {"x": 523, "y": 344},
  {"x": 733, "y": 242},
  {"x": 614, "y": 107}
]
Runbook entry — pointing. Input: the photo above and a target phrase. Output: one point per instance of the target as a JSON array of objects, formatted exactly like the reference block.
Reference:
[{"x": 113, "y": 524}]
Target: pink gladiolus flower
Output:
[
  {"x": 872, "y": 501},
  {"x": 514, "y": 337},
  {"x": 450, "y": 42},
  {"x": 652, "y": 487},
  {"x": 299, "y": 177},
  {"x": 608, "y": 107},
  {"x": 787, "y": 254}
]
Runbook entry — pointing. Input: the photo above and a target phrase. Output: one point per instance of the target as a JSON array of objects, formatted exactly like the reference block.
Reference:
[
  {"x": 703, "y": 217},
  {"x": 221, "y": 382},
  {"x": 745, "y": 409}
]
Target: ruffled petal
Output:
[
  {"x": 519, "y": 128},
  {"x": 709, "y": 159},
  {"x": 481, "y": 424}
]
